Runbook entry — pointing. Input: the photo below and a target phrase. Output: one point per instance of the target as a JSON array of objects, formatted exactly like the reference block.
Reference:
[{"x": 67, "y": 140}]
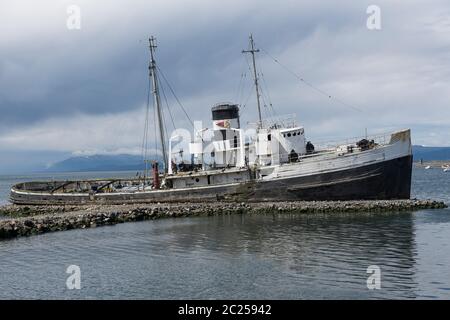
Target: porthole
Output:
[
  {"x": 294, "y": 134},
  {"x": 197, "y": 179},
  {"x": 288, "y": 134}
]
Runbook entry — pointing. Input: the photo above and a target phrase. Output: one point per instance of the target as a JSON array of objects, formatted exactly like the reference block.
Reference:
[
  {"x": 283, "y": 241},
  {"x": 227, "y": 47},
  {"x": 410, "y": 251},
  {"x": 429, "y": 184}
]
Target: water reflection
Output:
[
  {"x": 331, "y": 249},
  {"x": 238, "y": 256},
  {"x": 243, "y": 256}
]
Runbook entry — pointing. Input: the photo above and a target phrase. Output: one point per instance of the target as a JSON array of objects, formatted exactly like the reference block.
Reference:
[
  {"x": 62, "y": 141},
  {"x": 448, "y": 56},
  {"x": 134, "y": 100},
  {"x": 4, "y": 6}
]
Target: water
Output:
[{"x": 243, "y": 256}]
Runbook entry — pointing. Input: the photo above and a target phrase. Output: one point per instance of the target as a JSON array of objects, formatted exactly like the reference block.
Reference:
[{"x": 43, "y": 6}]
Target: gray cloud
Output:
[{"x": 93, "y": 81}]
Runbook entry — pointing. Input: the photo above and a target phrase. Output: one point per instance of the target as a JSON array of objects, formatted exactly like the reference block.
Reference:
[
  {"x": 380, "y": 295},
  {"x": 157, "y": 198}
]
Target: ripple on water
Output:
[{"x": 240, "y": 256}]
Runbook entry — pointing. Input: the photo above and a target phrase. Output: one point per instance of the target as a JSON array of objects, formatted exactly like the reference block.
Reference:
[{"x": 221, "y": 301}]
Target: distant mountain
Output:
[
  {"x": 121, "y": 162},
  {"x": 431, "y": 153}
]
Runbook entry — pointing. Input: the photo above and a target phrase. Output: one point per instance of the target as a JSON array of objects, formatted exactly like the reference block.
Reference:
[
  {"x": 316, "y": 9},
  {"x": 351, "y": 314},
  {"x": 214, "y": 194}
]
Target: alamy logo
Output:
[
  {"x": 74, "y": 280},
  {"x": 374, "y": 19},
  {"x": 74, "y": 18},
  {"x": 374, "y": 280}
]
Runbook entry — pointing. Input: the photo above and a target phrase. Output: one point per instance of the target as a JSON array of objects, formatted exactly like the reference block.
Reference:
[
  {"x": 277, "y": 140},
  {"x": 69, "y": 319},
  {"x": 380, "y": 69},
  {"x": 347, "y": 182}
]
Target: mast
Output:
[
  {"x": 255, "y": 76},
  {"x": 157, "y": 100}
]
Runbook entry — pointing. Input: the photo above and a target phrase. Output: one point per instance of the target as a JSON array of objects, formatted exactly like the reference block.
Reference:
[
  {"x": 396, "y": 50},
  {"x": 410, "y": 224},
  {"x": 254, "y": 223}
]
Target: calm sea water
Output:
[{"x": 241, "y": 256}]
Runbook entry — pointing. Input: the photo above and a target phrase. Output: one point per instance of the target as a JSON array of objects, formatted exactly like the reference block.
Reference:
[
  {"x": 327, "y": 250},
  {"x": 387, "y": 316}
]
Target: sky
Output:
[{"x": 68, "y": 91}]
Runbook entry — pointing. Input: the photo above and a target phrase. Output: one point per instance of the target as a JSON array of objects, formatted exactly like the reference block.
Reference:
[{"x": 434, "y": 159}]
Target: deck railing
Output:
[
  {"x": 380, "y": 139},
  {"x": 282, "y": 121}
]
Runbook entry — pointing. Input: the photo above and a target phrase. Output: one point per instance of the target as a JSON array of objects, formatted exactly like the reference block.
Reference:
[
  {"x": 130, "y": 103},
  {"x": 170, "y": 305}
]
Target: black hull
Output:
[{"x": 379, "y": 181}]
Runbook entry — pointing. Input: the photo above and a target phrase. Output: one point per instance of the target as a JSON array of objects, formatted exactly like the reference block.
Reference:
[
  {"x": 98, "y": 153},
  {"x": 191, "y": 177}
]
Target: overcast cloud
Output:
[{"x": 84, "y": 91}]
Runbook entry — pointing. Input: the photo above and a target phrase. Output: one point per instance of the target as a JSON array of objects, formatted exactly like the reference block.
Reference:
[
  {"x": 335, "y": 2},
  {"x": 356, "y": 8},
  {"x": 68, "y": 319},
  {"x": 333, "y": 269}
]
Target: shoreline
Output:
[{"x": 32, "y": 220}]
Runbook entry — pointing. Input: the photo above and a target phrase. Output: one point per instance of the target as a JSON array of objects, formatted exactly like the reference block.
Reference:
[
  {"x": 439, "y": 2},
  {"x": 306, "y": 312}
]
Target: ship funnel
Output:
[
  {"x": 226, "y": 127},
  {"x": 225, "y": 116}
]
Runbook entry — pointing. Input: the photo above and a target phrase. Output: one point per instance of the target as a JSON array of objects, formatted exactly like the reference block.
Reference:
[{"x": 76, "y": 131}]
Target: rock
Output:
[
  {"x": 28, "y": 223},
  {"x": 41, "y": 219}
]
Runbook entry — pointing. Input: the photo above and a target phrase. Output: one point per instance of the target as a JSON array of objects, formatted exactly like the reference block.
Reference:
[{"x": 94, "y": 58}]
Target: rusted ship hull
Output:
[
  {"x": 384, "y": 180},
  {"x": 381, "y": 181}
]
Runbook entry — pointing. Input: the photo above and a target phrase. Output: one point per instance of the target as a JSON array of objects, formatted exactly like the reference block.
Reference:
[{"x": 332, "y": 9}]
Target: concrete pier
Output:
[{"x": 19, "y": 220}]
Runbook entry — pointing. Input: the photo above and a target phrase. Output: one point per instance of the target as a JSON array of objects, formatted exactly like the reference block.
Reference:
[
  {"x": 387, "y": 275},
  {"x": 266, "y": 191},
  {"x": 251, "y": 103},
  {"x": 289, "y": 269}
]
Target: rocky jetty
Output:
[{"x": 30, "y": 220}]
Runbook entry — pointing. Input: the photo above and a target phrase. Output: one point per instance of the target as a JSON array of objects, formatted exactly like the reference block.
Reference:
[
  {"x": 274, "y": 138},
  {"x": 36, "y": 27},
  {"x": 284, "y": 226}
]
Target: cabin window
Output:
[
  {"x": 235, "y": 142},
  {"x": 269, "y": 137}
]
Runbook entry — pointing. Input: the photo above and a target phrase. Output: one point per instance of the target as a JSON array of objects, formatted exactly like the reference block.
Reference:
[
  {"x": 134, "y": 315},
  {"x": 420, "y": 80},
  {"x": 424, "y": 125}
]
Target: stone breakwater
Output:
[{"x": 31, "y": 220}]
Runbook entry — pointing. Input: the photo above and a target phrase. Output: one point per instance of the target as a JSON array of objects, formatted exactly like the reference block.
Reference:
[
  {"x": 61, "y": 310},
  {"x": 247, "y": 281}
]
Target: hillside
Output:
[{"x": 431, "y": 153}]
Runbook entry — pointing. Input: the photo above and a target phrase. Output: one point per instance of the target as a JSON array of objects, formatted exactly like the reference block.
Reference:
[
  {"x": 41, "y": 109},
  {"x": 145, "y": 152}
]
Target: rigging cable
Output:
[
  {"x": 145, "y": 136},
  {"x": 250, "y": 87},
  {"x": 164, "y": 127},
  {"x": 175, "y": 96},
  {"x": 167, "y": 104},
  {"x": 265, "y": 103},
  {"x": 238, "y": 91},
  {"x": 322, "y": 92},
  {"x": 246, "y": 100},
  {"x": 268, "y": 95},
  {"x": 265, "y": 109},
  {"x": 240, "y": 87},
  {"x": 156, "y": 133}
]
